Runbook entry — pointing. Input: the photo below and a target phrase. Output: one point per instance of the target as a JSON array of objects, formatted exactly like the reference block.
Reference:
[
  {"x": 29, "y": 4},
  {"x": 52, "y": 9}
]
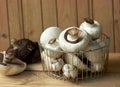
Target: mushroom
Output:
[
  {"x": 101, "y": 43},
  {"x": 51, "y": 64},
  {"x": 85, "y": 62},
  {"x": 92, "y": 27},
  {"x": 81, "y": 62},
  {"x": 70, "y": 71},
  {"x": 95, "y": 54},
  {"x": 53, "y": 49},
  {"x": 10, "y": 65},
  {"x": 26, "y": 50},
  {"x": 73, "y": 39},
  {"x": 48, "y": 34}
]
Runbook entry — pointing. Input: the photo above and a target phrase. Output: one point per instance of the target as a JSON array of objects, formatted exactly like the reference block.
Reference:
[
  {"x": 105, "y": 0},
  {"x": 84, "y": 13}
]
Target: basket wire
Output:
[{"x": 83, "y": 74}]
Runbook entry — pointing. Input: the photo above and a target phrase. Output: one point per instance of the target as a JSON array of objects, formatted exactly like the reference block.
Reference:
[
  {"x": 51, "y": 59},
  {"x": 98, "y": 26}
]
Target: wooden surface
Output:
[
  {"x": 32, "y": 19},
  {"x": 49, "y": 11},
  {"x": 28, "y": 18},
  {"x": 4, "y": 32},
  {"x": 66, "y": 13},
  {"x": 40, "y": 79},
  {"x": 103, "y": 13},
  {"x": 116, "y": 10}
]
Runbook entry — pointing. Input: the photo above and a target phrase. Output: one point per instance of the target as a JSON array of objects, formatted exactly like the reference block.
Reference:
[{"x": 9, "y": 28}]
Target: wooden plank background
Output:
[{"x": 28, "y": 18}]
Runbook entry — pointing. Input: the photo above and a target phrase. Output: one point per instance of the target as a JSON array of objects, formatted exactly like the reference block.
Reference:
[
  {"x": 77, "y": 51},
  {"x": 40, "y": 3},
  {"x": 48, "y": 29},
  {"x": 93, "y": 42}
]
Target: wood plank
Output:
[
  {"x": 82, "y": 10},
  {"x": 41, "y": 79},
  {"x": 21, "y": 18},
  {"x": 114, "y": 63},
  {"x": 35, "y": 67},
  {"x": 4, "y": 32},
  {"x": 117, "y": 24},
  {"x": 67, "y": 15},
  {"x": 14, "y": 19},
  {"x": 37, "y": 79},
  {"x": 90, "y": 7},
  {"x": 32, "y": 19},
  {"x": 49, "y": 13},
  {"x": 102, "y": 12}
]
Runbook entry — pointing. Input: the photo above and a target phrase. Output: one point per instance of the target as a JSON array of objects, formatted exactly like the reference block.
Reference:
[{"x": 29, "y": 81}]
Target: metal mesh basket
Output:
[{"x": 83, "y": 73}]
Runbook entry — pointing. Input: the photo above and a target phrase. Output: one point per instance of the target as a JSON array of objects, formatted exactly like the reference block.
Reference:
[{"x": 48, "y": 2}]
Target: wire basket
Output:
[{"x": 85, "y": 71}]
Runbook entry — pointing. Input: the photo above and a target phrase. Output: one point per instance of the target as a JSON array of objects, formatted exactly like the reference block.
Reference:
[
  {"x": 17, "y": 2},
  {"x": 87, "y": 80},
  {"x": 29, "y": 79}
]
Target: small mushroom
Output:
[
  {"x": 52, "y": 64},
  {"x": 48, "y": 34},
  {"x": 72, "y": 39},
  {"x": 101, "y": 43},
  {"x": 11, "y": 66},
  {"x": 92, "y": 27},
  {"x": 53, "y": 49},
  {"x": 70, "y": 71}
]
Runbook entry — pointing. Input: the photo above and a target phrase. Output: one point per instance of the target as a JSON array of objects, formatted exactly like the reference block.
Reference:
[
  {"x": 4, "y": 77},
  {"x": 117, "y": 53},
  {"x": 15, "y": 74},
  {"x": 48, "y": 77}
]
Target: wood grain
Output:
[
  {"x": 67, "y": 15},
  {"x": 102, "y": 11},
  {"x": 49, "y": 13},
  {"x": 90, "y": 7},
  {"x": 4, "y": 32},
  {"x": 116, "y": 11},
  {"x": 14, "y": 19},
  {"x": 40, "y": 79},
  {"x": 28, "y": 18},
  {"x": 32, "y": 19},
  {"x": 82, "y": 9}
]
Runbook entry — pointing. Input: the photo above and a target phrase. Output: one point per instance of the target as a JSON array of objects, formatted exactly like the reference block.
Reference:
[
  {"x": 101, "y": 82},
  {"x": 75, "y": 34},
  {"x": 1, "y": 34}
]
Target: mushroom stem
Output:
[
  {"x": 52, "y": 41},
  {"x": 14, "y": 44},
  {"x": 88, "y": 20},
  {"x": 74, "y": 32},
  {"x": 9, "y": 56}
]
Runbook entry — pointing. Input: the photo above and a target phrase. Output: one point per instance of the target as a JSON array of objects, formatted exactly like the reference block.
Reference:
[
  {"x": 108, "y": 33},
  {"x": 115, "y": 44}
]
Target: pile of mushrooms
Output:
[
  {"x": 51, "y": 64},
  {"x": 18, "y": 55},
  {"x": 73, "y": 49},
  {"x": 10, "y": 65}
]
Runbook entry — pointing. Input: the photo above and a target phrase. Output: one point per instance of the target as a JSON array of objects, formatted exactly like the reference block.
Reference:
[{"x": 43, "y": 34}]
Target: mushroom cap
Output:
[
  {"x": 48, "y": 34},
  {"x": 94, "y": 29},
  {"x": 77, "y": 45},
  {"x": 26, "y": 51},
  {"x": 70, "y": 71},
  {"x": 53, "y": 49},
  {"x": 14, "y": 67}
]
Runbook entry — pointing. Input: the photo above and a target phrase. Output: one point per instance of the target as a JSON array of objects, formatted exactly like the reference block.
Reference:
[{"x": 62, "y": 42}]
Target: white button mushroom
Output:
[
  {"x": 51, "y": 64},
  {"x": 79, "y": 61},
  {"x": 101, "y": 43},
  {"x": 48, "y": 34},
  {"x": 96, "y": 55},
  {"x": 70, "y": 71},
  {"x": 92, "y": 27},
  {"x": 11, "y": 67},
  {"x": 53, "y": 49},
  {"x": 72, "y": 39}
]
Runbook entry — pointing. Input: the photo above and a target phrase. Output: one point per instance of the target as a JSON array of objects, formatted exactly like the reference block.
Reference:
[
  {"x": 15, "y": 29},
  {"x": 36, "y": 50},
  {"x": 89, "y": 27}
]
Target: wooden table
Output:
[{"x": 39, "y": 79}]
